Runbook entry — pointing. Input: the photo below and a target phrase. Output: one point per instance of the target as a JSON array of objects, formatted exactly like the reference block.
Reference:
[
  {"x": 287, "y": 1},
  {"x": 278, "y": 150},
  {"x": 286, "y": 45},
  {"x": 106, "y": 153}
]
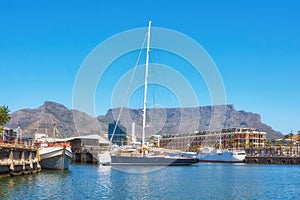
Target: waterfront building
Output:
[
  {"x": 86, "y": 148},
  {"x": 87, "y": 143},
  {"x": 119, "y": 137},
  {"x": 14, "y": 136},
  {"x": 227, "y": 137}
]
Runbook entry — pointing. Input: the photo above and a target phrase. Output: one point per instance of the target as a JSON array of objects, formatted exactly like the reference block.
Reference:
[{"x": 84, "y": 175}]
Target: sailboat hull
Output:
[{"x": 151, "y": 161}]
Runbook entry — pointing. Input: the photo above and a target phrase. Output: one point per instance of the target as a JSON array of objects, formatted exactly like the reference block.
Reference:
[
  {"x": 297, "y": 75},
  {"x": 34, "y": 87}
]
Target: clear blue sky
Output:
[{"x": 255, "y": 44}]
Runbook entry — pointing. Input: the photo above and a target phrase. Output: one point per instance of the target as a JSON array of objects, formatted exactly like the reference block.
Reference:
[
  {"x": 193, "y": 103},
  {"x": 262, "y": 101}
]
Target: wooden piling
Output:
[{"x": 16, "y": 159}]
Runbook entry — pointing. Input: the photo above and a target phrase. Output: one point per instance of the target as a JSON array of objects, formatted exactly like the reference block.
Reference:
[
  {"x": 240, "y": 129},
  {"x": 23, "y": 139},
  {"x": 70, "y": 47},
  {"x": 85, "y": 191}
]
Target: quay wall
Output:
[
  {"x": 18, "y": 159},
  {"x": 279, "y": 160},
  {"x": 85, "y": 157}
]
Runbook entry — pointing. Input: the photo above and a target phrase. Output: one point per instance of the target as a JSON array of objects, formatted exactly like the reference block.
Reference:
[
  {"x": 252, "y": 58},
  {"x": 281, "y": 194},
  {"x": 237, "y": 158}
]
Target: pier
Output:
[
  {"x": 279, "y": 160},
  {"x": 16, "y": 159},
  {"x": 280, "y": 155}
]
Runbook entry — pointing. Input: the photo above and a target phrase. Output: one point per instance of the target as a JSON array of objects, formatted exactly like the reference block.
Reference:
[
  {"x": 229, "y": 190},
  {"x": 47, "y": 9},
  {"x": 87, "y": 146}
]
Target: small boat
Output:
[
  {"x": 53, "y": 153},
  {"x": 210, "y": 154},
  {"x": 55, "y": 156}
]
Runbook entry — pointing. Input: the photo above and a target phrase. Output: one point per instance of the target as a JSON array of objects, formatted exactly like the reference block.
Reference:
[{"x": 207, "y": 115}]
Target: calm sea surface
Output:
[{"x": 203, "y": 181}]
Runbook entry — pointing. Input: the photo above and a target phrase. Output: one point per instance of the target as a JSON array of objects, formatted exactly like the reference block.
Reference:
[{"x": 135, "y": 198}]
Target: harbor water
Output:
[{"x": 201, "y": 181}]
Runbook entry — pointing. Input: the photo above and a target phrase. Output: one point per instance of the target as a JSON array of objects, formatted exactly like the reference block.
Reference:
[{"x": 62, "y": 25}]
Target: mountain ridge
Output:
[{"x": 71, "y": 122}]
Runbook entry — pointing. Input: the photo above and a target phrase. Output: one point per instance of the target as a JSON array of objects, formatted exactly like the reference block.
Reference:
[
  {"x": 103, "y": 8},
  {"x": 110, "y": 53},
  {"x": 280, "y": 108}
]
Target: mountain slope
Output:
[
  {"x": 42, "y": 120},
  {"x": 167, "y": 121},
  {"x": 187, "y": 120}
]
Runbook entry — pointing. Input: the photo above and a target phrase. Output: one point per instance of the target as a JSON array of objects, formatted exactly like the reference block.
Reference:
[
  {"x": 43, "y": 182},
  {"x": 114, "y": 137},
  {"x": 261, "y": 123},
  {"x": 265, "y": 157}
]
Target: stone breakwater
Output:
[
  {"x": 279, "y": 160},
  {"x": 18, "y": 159}
]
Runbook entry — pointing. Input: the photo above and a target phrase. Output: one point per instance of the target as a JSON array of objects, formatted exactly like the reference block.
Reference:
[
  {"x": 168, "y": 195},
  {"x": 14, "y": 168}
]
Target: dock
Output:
[
  {"x": 18, "y": 159},
  {"x": 279, "y": 160}
]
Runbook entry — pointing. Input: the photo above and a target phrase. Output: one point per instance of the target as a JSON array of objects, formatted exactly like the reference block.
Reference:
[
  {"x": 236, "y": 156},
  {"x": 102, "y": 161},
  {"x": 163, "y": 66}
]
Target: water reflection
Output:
[
  {"x": 104, "y": 169},
  {"x": 204, "y": 181},
  {"x": 138, "y": 169}
]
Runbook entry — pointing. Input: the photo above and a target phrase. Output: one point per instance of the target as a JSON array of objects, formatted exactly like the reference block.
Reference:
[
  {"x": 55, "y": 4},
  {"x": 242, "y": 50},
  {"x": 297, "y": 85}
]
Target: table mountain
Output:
[{"x": 166, "y": 120}]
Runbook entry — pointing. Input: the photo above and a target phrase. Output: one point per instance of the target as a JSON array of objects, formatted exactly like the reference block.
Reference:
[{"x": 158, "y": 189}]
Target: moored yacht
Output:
[
  {"x": 152, "y": 161},
  {"x": 210, "y": 154},
  {"x": 149, "y": 157}
]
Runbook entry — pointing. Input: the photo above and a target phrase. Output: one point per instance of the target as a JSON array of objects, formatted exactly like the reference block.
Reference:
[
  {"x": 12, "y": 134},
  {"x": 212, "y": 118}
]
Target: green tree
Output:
[
  {"x": 291, "y": 144},
  {"x": 264, "y": 144},
  {"x": 4, "y": 116},
  {"x": 250, "y": 144},
  {"x": 264, "y": 141},
  {"x": 270, "y": 145},
  {"x": 280, "y": 144},
  {"x": 244, "y": 144},
  {"x": 260, "y": 148}
]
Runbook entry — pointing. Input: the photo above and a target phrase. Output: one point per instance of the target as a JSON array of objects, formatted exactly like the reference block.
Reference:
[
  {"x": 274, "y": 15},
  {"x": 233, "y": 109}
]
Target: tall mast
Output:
[{"x": 146, "y": 85}]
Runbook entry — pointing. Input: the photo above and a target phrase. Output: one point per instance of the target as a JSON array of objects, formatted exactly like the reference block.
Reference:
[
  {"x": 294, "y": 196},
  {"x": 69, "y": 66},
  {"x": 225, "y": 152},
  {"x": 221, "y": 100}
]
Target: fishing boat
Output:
[
  {"x": 141, "y": 156},
  {"x": 54, "y": 153}
]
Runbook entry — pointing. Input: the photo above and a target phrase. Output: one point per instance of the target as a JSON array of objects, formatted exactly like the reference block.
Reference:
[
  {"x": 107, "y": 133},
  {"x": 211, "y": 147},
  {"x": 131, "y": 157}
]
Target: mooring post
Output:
[
  {"x": 23, "y": 160},
  {"x": 11, "y": 160},
  {"x": 30, "y": 160}
]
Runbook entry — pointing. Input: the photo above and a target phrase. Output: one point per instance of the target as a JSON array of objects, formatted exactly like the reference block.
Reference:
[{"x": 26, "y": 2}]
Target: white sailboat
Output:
[{"x": 144, "y": 158}]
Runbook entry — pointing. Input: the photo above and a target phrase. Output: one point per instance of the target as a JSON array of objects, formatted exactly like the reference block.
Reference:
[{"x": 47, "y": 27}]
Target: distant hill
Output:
[
  {"x": 43, "y": 118},
  {"x": 167, "y": 121}
]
